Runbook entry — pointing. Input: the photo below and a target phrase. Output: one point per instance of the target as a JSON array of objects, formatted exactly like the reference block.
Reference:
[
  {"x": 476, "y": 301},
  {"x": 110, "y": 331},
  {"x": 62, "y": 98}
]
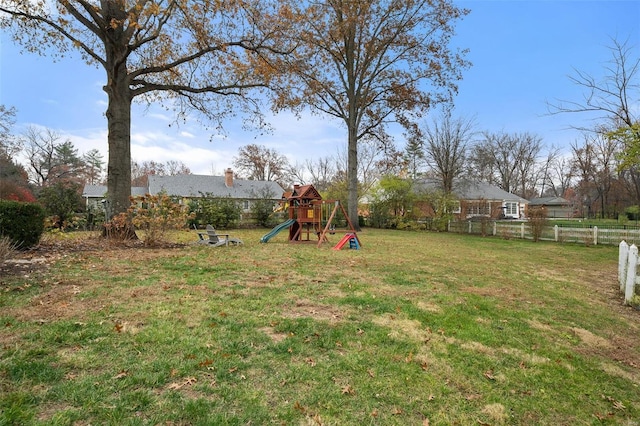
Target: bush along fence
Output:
[
  {"x": 589, "y": 236},
  {"x": 628, "y": 271}
]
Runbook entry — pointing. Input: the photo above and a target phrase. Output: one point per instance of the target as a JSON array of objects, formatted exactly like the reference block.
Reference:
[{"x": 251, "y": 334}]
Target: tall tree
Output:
[
  {"x": 257, "y": 162},
  {"x": 446, "y": 141},
  {"x": 202, "y": 55},
  {"x": 414, "y": 153},
  {"x": 69, "y": 165},
  {"x": 596, "y": 165},
  {"x": 556, "y": 174},
  {"x": 9, "y": 144},
  {"x": 52, "y": 159},
  {"x": 612, "y": 98},
  {"x": 14, "y": 181},
  {"x": 369, "y": 63},
  {"x": 94, "y": 166},
  {"x": 528, "y": 147},
  {"x": 140, "y": 172},
  {"x": 322, "y": 171},
  {"x": 507, "y": 160}
]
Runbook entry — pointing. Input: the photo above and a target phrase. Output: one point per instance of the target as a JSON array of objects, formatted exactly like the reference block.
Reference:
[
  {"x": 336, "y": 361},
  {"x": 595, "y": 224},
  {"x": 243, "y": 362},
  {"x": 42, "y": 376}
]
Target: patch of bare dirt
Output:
[
  {"x": 39, "y": 258},
  {"x": 276, "y": 336},
  {"x": 63, "y": 298}
]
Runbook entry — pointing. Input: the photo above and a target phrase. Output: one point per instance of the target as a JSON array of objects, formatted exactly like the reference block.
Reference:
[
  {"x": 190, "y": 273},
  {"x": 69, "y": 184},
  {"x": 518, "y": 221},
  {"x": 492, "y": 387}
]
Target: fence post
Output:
[
  {"x": 595, "y": 235},
  {"x": 632, "y": 265},
  {"x": 469, "y": 226},
  {"x": 555, "y": 233},
  {"x": 623, "y": 255},
  {"x": 522, "y": 230},
  {"x": 495, "y": 228}
]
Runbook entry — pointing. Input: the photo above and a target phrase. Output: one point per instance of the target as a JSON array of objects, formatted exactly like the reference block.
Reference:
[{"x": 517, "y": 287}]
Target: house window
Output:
[
  {"x": 245, "y": 204},
  {"x": 511, "y": 209},
  {"x": 456, "y": 208},
  {"x": 478, "y": 209}
]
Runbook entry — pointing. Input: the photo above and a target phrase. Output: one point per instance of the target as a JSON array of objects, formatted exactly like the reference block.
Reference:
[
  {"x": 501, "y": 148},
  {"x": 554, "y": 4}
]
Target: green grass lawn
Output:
[{"x": 413, "y": 329}]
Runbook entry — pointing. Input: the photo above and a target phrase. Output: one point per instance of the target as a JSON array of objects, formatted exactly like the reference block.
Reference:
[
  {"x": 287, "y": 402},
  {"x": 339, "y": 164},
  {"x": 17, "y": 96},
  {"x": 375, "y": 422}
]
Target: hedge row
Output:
[{"x": 23, "y": 223}]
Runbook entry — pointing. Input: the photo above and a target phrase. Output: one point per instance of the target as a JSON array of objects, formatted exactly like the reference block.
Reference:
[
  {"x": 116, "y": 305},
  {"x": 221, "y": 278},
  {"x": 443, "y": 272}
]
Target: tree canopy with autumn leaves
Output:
[
  {"x": 205, "y": 56},
  {"x": 367, "y": 63},
  {"x": 371, "y": 63}
]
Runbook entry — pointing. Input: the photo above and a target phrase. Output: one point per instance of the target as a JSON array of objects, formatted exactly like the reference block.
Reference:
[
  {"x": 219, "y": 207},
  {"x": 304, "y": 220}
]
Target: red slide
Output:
[{"x": 343, "y": 241}]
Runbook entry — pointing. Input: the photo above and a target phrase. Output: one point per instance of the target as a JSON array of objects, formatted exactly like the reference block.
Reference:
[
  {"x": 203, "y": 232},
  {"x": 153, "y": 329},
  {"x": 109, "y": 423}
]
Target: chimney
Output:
[{"x": 228, "y": 178}]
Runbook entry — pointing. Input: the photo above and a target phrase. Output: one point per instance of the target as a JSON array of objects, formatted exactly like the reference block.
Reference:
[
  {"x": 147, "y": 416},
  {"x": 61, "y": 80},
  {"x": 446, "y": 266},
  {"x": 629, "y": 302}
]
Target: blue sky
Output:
[{"x": 523, "y": 52}]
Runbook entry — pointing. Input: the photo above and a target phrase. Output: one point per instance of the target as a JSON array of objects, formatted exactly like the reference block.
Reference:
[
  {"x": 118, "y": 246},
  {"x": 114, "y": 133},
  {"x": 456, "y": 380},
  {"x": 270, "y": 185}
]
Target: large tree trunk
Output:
[
  {"x": 119, "y": 139},
  {"x": 118, "y": 113},
  {"x": 352, "y": 176}
]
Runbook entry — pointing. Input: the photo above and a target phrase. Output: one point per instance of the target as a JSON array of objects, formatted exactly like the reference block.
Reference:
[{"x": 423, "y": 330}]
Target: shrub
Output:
[
  {"x": 262, "y": 209},
  {"x": 538, "y": 220},
  {"x": 22, "y": 223},
  {"x": 156, "y": 215},
  {"x": 218, "y": 212},
  {"x": 61, "y": 201},
  {"x": 633, "y": 212}
]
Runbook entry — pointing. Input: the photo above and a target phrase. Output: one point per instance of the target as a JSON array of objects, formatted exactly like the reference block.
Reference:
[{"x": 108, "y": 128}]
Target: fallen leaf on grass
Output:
[
  {"x": 489, "y": 375},
  {"x": 121, "y": 375},
  {"x": 618, "y": 405},
  {"x": 348, "y": 390},
  {"x": 601, "y": 417},
  {"x": 205, "y": 363},
  {"x": 187, "y": 382}
]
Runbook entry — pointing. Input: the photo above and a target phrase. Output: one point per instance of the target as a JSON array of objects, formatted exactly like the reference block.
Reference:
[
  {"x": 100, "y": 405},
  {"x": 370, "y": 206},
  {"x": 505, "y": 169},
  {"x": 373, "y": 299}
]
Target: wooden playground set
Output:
[{"x": 311, "y": 219}]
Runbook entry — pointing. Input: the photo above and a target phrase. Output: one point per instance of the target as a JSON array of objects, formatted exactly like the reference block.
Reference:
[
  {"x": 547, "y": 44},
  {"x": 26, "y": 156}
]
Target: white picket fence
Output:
[
  {"x": 594, "y": 235},
  {"x": 628, "y": 270}
]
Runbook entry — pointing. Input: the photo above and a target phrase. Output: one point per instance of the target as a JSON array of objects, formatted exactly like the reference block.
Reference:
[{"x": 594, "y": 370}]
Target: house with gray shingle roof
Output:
[
  {"x": 196, "y": 186},
  {"x": 187, "y": 187},
  {"x": 94, "y": 195},
  {"x": 480, "y": 199}
]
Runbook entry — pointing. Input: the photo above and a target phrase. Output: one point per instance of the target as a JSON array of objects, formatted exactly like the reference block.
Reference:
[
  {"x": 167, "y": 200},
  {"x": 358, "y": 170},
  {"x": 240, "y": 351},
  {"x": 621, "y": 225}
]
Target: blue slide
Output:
[{"x": 277, "y": 229}]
